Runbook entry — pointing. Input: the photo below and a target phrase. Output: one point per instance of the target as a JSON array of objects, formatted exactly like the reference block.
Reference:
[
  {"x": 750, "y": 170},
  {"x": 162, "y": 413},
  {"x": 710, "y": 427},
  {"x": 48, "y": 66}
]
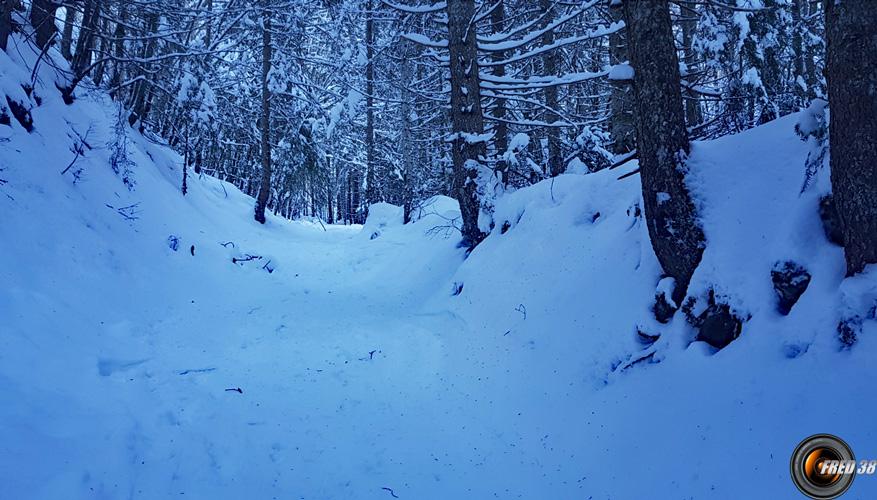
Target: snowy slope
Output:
[
  {"x": 699, "y": 424},
  {"x": 382, "y": 361}
]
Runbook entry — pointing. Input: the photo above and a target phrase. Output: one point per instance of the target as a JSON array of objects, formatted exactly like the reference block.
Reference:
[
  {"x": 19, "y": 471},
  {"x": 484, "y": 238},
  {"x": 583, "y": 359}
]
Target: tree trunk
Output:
[
  {"x": 67, "y": 37},
  {"x": 549, "y": 68},
  {"x": 356, "y": 215},
  {"x": 406, "y": 73},
  {"x": 100, "y": 70},
  {"x": 330, "y": 214},
  {"x": 118, "y": 51},
  {"x": 339, "y": 195},
  {"x": 851, "y": 68},
  {"x": 265, "y": 184},
  {"x": 140, "y": 101},
  {"x": 185, "y": 188},
  {"x": 466, "y": 115},
  {"x": 693, "y": 114},
  {"x": 208, "y": 29},
  {"x": 6, "y": 8},
  {"x": 85, "y": 41},
  {"x": 42, "y": 18},
  {"x": 662, "y": 141},
  {"x": 621, "y": 125},
  {"x": 800, "y": 55},
  {"x": 371, "y": 195},
  {"x": 500, "y": 128}
]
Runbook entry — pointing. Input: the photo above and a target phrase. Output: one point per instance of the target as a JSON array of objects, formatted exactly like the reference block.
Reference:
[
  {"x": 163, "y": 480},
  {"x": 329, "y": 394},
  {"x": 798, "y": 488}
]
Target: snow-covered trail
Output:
[
  {"x": 348, "y": 384},
  {"x": 360, "y": 371},
  {"x": 355, "y": 377}
]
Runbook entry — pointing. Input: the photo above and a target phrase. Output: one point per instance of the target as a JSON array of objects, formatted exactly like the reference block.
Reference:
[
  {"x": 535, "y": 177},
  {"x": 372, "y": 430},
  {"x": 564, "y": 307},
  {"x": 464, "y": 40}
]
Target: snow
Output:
[
  {"x": 623, "y": 71},
  {"x": 400, "y": 365},
  {"x": 425, "y": 40}
]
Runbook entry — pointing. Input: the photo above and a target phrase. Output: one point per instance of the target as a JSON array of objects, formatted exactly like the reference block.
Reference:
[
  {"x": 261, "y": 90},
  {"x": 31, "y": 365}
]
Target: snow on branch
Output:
[
  {"x": 425, "y": 40},
  {"x": 493, "y": 82},
  {"x": 418, "y": 9},
  {"x": 486, "y": 45},
  {"x": 597, "y": 32}
]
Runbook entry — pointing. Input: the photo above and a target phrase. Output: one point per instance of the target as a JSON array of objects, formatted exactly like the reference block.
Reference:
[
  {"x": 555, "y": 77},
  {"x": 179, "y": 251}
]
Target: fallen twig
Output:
[
  {"x": 624, "y": 159},
  {"x": 245, "y": 258},
  {"x": 522, "y": 309},
  {"x": 629, "y": 174},
  {"x": 196, "y": 370},
  {"x": 129, "y": 212}
]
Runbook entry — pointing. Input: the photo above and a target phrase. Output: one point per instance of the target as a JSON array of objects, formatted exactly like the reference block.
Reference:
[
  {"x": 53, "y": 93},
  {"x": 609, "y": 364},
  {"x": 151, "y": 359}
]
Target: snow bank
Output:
[
  {"x": 380, "y": 216},
  {"x": 559, "y": 298}
]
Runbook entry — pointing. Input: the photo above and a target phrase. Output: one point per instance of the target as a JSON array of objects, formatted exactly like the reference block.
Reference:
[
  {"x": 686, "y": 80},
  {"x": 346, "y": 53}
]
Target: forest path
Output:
[{"x": 347, "y": 388}]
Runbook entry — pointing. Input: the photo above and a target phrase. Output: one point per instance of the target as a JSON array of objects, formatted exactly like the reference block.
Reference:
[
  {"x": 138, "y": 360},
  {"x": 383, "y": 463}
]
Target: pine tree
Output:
[
  {"x": 265, "y": 125},
  {"x": 466, "y": 114},
  {"x": 662, "y": 141},
  {"x": 42, "y": 18},
  {"x": 851, "y": 66}
]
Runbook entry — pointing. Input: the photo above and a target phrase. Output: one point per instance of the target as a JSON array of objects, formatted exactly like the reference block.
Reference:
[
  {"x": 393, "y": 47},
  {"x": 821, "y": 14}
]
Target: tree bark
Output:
[
  {"x": 141, "y": 100},
  {"x": 6, "y": 7},
  {"x": 406, "y": 73},
  {"x": 693, "y": 114},
  {"x": 621, "y": 125},
  {"x": 208, "y": 29},
  {"x": 330, "y": 198},
  {"x": 371, "y": 195},
  {"x": 800, "y": 54},
  {"x": 851, "y": 68},
  {"x": 500, "y": 128},
  {"x": 466, "y": 115},
  {"x": 265, "y": 184},
  {"x": 102, "y": 50},
  {"x": 85, "y": 41},
  {"x": 356, "y": 215},
  {"x": 67, "y": 37},
  {"x": 549, "y": 67},
  {"x": 42, "y": 18},
  {"x": 118, "y": 51},
  {"x": 662, "y": 141}
]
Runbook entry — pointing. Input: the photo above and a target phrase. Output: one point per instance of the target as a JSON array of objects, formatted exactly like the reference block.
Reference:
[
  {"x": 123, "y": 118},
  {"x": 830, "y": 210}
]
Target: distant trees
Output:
[
  {"x": 328, "y": 107},
  {"x": 851, "y": 66}
]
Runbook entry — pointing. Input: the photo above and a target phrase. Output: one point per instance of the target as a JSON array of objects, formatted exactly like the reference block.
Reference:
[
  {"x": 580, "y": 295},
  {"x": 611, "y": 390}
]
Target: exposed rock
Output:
[
  {"x": 716, "y": 325},
  {"x": 790, "y": 281},
  {"x": 21, "y": 113},
  {"x": 665, "y": 307},
  {"x": 848, "y": 332},
  {"x": 663, "y": 310},
  {"x": 719, "y": 326},
  {"x": 830, "y": 220},
  {"x": 646, "y": 338}
]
